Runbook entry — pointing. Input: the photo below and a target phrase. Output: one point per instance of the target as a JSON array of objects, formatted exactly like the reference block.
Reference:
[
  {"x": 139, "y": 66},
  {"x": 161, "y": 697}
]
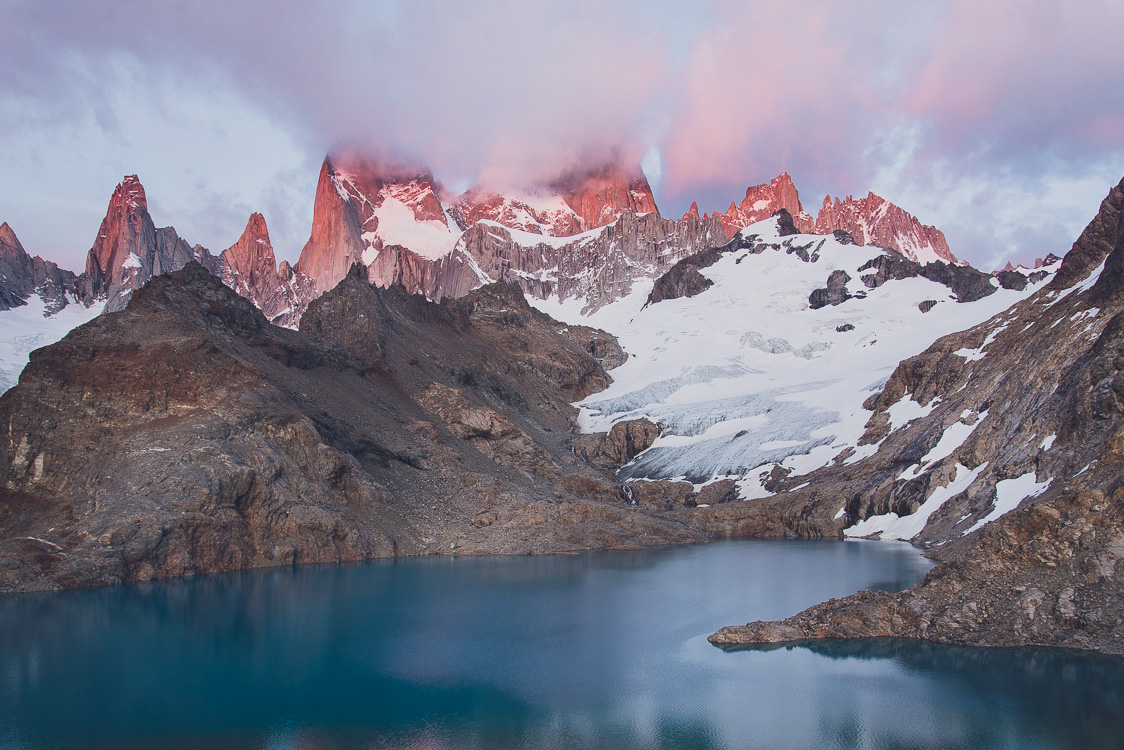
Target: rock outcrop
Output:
[
  {"x": 186, "y": 435},
  {"x": 873, "y": 220},
  {"x": 1008, "y": 464},
  {"x": 624, "y": 442},
  {"x": 249, "y": 267},
  {"x": 22, "y": 276}
]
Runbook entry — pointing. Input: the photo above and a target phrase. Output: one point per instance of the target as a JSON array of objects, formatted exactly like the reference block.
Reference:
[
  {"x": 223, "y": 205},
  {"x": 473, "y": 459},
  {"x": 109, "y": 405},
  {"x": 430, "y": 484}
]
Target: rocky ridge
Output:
[
  {"x": 873, "y": 220},
  {"x": 999, "y": 448},
  {"x": 22, "y": 276},
  {"x": 400, "y": 223},
  {"x": 389, "y": 425}
]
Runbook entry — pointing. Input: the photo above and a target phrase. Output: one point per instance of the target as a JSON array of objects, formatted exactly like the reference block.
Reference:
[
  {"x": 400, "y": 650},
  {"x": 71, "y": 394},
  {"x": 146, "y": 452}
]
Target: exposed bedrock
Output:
[{"x": 187, "y": 435}]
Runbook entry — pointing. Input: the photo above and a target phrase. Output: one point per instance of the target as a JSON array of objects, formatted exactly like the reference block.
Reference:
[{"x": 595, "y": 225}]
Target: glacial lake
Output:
[{"x": 599, "y": 650}]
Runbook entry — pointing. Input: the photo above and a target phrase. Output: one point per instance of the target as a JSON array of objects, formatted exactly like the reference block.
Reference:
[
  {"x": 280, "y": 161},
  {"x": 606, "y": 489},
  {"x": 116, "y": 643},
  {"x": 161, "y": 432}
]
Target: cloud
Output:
[
  {"x": 199, "y": 96},
  {"x": 1002, "y": 102}
]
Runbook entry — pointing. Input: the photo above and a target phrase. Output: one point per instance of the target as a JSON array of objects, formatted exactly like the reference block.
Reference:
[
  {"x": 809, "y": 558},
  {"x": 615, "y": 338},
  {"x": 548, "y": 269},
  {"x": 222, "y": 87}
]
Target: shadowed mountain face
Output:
[
  {"x": 1002, "y": 446},
  {"x": 187, "y": 435}
]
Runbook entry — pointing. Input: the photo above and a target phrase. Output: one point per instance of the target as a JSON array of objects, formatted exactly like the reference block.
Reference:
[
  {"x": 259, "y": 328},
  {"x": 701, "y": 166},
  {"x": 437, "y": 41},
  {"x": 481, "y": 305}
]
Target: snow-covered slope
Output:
[
  {"x": 746, "y": 377},
  {"x": 26, "y": 328}
]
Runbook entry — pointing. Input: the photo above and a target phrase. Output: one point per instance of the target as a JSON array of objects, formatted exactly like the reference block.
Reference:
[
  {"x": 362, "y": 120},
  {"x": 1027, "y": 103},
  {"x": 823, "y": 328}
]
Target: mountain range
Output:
[{"x": 560, "y": 367}]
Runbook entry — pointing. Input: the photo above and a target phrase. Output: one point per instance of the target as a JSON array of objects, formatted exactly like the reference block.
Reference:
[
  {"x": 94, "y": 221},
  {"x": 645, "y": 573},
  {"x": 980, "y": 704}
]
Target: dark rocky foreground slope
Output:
[
  {"x": 187, "y": 435},
  {"x": 1039, "y": 393}
]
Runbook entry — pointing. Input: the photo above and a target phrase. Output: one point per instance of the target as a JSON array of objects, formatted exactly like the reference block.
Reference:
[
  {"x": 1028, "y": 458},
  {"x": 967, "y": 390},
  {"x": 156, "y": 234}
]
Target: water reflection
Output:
[
  {"x": 598, "y": 650},
  {"x": 1066, "y": 698}
]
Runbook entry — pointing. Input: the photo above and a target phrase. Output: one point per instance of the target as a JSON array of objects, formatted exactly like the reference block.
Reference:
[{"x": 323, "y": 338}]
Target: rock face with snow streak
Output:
[
  {"x": 249, "y": 267},
  {"x": 873, "y": 220},
  {"x": 535, "y": 211},
  {"x": 129, "y": 250},
  {"x": 124, "y": 252},
  {"x": 597, "y": 267},
  {"x": 1003, "y": 445}
]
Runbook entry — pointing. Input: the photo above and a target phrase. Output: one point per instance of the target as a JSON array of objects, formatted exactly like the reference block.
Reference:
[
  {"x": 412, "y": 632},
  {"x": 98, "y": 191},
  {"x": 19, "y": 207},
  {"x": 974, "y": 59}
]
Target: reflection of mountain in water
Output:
[{"x": 1076, "y": 697}]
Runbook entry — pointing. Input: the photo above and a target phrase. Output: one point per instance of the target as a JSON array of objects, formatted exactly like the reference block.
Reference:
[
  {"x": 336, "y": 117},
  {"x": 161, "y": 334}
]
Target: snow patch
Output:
[
  {"x": 951, "y": 439},
  {"x": 890, "y": 526},
  {"x": 26, "y": 328},
  {"x": 1009, "y": 493},
  {"x": 398, "y": 225},
  {"x": 906, "y": 410}
]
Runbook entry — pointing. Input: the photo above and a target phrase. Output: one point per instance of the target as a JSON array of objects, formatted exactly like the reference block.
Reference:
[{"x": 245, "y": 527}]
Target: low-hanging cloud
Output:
[{"x": 729, "y": 93}]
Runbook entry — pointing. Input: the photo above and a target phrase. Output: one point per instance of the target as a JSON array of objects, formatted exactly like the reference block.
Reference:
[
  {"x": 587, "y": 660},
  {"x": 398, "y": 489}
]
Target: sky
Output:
[{"x": 999, "y": 121}]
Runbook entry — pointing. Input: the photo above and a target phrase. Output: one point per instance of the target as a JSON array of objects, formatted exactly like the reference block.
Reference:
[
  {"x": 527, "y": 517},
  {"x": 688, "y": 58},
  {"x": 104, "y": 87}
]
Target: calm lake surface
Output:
[{"x": 602, "y": 650}]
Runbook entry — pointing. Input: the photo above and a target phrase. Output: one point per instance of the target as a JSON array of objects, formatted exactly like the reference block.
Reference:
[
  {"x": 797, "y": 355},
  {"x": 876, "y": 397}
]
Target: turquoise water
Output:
[{"x": 602, "y": 650}]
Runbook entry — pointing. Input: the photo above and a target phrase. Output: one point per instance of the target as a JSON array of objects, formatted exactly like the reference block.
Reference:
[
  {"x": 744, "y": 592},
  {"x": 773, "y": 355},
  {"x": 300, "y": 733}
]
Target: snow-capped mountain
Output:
[
  {"x": 588, "y": 237},
  {"x": 38, "y": 305},
  {"x": 363, "y": 207},
  {"x": 873, "y": 220},
  {"x": 760, "y": 370},
  {"x": 22, "y": 276}
]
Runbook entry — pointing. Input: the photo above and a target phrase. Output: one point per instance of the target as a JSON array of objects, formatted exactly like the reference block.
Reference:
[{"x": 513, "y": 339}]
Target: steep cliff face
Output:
[
  {"x": 1003, "y": 447},
  {"x": 249, "y": 267},
  {"x": 389, "y": 425},
  {"x": 363, "y": 206},
  {"x": 124, "y": 253},
  {"x": 873, "y": 220},
  {"x": 764, "y": 200}
]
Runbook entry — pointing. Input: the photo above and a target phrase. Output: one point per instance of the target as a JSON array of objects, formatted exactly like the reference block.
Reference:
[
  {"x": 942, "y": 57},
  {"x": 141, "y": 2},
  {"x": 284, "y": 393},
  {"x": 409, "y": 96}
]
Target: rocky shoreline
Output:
[{"x": 1030, "y": 537}]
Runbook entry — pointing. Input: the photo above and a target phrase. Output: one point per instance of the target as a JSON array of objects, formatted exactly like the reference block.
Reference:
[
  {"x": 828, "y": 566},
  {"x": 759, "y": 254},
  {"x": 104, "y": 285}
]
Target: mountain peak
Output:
[
  {"x": 364, "y": 204},
  {"x": 599, "y": 194},
  {"x": 253, "y": 246},
  {"x": 10, "y": 246},
  {"x": 764, "y": 200},
  {"x": 131, "y": 191}
]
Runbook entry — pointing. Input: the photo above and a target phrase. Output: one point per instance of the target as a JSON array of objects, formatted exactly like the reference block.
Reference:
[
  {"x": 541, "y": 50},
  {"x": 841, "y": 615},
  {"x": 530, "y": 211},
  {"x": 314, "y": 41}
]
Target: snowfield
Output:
[
  {"x": 24, "y": 329},
  {"x": 746, "y": 376}
]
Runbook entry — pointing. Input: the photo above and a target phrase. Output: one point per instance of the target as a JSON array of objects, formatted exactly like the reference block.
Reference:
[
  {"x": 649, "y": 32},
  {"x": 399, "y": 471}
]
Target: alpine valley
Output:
[{"x": 559, "y": 367}]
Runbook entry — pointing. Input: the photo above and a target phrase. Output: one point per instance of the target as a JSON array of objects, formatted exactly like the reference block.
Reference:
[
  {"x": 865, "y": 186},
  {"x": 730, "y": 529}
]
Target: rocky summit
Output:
[{"x": 1001, "y": 448}]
